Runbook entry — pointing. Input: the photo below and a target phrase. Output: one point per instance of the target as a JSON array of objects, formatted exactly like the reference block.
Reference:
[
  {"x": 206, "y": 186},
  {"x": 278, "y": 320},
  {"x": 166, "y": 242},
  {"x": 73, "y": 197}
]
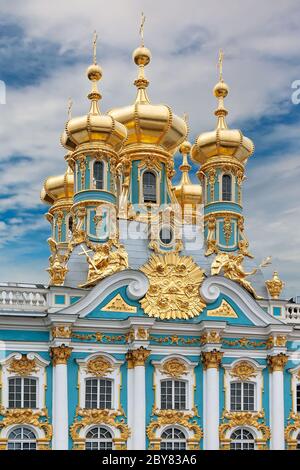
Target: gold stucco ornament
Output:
[
  {"x": 22, "y": 366},
  {"x": 231, "y": 267},
  {"x": 174, "y": 287},
  {"x": 275, "y": 286},
  {"x": 244, "y": 370},
  {"x": 174, "y": 368},
  {"x": 99, "y": 366}
]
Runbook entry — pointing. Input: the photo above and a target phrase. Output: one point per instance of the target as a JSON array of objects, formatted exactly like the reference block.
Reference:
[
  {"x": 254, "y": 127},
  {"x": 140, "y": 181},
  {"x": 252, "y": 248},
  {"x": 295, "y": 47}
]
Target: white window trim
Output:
[
  {"x": 189, "y": 378},
  {"x": 40, "y": 375},
  {"x": 242, "y": 394},
  {"x": 294, "y": 382},
  {"x": 247, "y": 428},
  {"x": 141, "y": 185},
  {"x": 257, "y": 380},
  {"x": 233, "y": 180},
  {"x": 105, "y": 172},
  {"x": 114, "y": 375}
]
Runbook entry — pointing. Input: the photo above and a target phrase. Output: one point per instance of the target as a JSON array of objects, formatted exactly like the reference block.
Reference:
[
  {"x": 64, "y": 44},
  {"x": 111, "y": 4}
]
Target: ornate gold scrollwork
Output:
[
  {"x": 293, "y": 427},
  {"x": 240, "y": 419},
  {"x": 211, "y": 359},
  {"x": 277, "y": 363},
  {"x": 173, "y": 417},
  {"x": 60, "y": 354},
  {"x": 174, "y": 287},
  {"x": 174, "y": 368},
  {"x": 85, "y": 417},
  {"x": 244, "y": 371},
  {"x": 22, "y": 366},
  {"x": 275, "y": 286},
  {"x": 99, "y": 366}
]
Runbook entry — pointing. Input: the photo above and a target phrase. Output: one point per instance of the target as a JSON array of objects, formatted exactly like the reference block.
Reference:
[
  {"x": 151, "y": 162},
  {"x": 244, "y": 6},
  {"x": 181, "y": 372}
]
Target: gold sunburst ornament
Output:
[{"x": 174, "y": 287}]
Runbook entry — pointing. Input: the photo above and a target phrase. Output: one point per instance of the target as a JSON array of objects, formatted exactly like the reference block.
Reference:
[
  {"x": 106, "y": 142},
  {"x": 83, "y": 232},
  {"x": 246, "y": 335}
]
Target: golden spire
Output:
[
  {"x": 70, "y": 105},
  {"x": 221, "y": 91},
  {"x": 94, "y": 74},
  {"x": 185, "y": 167},
  {"x": 142, "y": 57}
]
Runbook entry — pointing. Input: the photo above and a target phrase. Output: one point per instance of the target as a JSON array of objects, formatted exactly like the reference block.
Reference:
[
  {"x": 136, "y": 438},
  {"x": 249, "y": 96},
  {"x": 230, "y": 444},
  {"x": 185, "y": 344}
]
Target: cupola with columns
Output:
[
  {"x": 223, "y": 154},
  {"x": 154, "y": 135}
]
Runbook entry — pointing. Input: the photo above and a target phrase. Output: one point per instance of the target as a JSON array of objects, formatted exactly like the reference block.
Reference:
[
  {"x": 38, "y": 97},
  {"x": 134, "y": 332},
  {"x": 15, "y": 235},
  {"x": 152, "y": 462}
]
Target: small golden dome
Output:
[
  {"x": 222, "y": 141},
  {"x": 186, "y": 192},
  {"x": 146, "y": 123},
  {"x": 57, "y": 188},
  {"x": 94, "y": 126}
]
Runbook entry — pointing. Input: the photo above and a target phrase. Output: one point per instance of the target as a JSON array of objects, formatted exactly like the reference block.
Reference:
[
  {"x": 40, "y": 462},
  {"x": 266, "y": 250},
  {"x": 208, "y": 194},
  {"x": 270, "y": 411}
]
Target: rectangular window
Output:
[
  {"x": 22, "y": 392},
  {"x": 98, "y": 394},
  {"x": 242, "y": 396},
  {"x": 173, "y": 395}
]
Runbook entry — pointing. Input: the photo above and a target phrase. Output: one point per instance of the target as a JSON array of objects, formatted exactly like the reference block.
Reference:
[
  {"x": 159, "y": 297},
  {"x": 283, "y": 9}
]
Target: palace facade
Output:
[{"x": 158, "y": 329}]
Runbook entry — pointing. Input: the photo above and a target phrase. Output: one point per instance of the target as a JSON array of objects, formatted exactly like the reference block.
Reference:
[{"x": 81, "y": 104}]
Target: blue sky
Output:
[{"x": 45, "y": 48}]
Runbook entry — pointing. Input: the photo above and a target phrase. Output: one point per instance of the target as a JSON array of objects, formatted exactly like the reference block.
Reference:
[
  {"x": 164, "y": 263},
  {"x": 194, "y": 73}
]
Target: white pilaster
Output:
[
  {"x": 211, "y": 362},
  {"x": 130, "y": 392},
  {"x": 139, "y": 357},
  {"x": 277, "y": 364},
  {"x": 60, "y": 355}
]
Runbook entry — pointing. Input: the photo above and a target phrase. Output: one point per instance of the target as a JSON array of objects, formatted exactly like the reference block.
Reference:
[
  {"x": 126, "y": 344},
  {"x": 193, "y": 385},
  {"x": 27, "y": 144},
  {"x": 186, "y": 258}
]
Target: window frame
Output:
[
  {"x": 98, "y": 399},
  {"x": 241, "y": 440},
  {"x": 22, "y": 379},
  {"x": 231, "y": 199},
  {"x": 150, "y": 172},
  {"x": 99, "y": 440},
  {"x": 101, "y": 164},
  {"x": 105, "y": 171},
  {"x": 22, "y": 440},
  {"x": 243, "y": 386},
  {"x": 173, "y": 393},
  {"x": 173, "y": 440}
]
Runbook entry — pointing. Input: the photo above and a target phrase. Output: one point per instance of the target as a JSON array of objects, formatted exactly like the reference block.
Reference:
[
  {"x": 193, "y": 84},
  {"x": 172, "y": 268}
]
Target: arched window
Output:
[
  {"x": 98, "y": 175},
  {"x": 21, "y": 439},
  {"x": 173, "y": 394},
  {"x": 242, "y": 396},
  {"x": 22, "y": 392},
  {"x": 98, "y": 438},
  {"x": 226, "y": 188},
  {"x": 70, "y": 224},
  {"x": 166, "y": 235},
  {"x": 173, "y": 439},
  {"x": 242, "y": 439},
  {"x": 298, "y": 442},
  {"x": 298, "y": 398},
  {"x": 98, "y": 393},
  {"x": 149, "y": 187}
]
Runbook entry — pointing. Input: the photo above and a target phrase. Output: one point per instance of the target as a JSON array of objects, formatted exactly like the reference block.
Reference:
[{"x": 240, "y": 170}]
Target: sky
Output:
[{"x": 45, "y": 48}]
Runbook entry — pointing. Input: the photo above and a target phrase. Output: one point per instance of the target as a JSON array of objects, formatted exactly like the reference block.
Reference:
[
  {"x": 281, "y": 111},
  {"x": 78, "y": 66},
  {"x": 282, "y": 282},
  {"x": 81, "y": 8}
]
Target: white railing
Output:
[
  {"x": 292, "y": 313},
  {"x": 23, "y": 297}
]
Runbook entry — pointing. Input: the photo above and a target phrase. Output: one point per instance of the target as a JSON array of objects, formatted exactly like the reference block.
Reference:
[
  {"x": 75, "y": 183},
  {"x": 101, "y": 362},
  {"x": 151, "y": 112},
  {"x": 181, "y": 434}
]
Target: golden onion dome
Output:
[
  {"x": 222, "y": 141},
  {"x": 94, "y": 126},
  {"x": 147, "y": 123},
  {"x": 186, "y": 192},
  {"x": 58, "y": 188}
]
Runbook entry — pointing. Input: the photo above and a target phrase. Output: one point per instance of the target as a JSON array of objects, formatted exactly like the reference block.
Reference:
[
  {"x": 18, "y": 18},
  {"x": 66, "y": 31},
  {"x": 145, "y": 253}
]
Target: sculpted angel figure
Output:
[{"x": 232, "y": 268}]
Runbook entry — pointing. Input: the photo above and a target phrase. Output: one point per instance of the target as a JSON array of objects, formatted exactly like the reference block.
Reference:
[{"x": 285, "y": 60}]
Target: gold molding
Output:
[
  {"x": 277, "y": 363},
  {"x": 174, "y": 287},
  {"x": 99, "y": 366},
  {"x": 225, "y": 310},
  {"x": 243, "y": 370},
  {"x": 60, "y": 354},
  {"x": 22, "y": 366},
  {"x": 85, "y": 417},
  {"x": 173, "y": 417},
  {"x": 234, "y": 419},
  {"x": 211, "y": 359},
  {"x": 61, "y": 331},
  {"x": 118, "y": 304},
  {"x": 174, "y": 368},
  {"x": 139, "y": 356}
]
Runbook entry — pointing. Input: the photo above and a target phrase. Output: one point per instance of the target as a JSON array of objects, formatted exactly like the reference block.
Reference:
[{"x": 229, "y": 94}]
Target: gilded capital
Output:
[
  {"x": 277, "y": 363},
  {"x": 139, "y": 356},
  {"x": 60, "y": 354},
  {"x": 212, "y": 359},
  {"x": 129, "y": 360}
]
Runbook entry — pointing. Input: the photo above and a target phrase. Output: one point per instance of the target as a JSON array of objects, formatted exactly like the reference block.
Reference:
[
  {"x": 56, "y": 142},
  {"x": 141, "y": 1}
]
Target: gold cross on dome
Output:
[
  {"x": 220, "y": 65},
  {"x": 142, "y": 29},
  {"x": 95, "y": 37},
  {"x": 70, "y": 104}
]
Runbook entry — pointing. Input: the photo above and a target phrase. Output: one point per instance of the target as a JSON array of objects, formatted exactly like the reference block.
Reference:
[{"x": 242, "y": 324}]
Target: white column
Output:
[
  {"x": 211, "y": 362},
  {"x": 277, "y": 364},
  {"x": 139, "y": 357},
  {"x": 60, "y": 356},
  {"x": 130, "y": 391}
]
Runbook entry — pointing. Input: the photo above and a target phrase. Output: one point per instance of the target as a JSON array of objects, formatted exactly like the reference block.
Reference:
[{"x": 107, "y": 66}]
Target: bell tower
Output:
[{"x": 223, "y": 154}]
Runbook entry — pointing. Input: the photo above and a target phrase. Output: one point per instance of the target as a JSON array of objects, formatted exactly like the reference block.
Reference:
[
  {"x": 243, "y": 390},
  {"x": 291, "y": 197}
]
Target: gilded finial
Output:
[
  {"x": 221, "y": 91},
  {"x": 141, "y": 57},
  {"x": 143, "y": 19},
  {"x": 95, "y": 37},
  {"x": 94, "y": 73},
  {"x": 275, "y": 286},
  {"x": 70, "y": 105},
  {"x": 220, "y": 64}
]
